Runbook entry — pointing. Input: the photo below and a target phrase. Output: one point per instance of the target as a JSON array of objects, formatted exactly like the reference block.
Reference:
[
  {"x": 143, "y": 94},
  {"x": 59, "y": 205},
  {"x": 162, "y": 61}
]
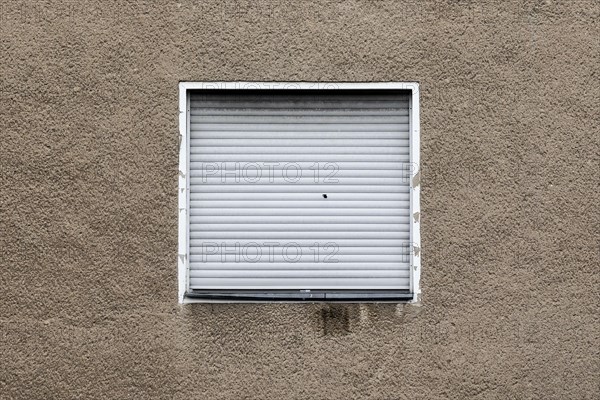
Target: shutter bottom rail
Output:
[{"x": 301, "y": 295}]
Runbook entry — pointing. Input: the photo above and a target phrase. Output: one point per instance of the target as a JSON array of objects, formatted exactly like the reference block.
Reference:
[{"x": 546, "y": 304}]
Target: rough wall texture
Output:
[{"x": 88, "y": 197}]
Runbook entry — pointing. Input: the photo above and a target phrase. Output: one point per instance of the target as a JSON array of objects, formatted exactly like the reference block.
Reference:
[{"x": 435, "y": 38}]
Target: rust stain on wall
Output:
[{"x": 336, "y": 320}]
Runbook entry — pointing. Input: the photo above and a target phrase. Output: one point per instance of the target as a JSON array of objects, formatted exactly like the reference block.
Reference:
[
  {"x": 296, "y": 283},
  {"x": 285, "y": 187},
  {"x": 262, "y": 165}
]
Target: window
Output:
[{"x": 299, "y": 191}]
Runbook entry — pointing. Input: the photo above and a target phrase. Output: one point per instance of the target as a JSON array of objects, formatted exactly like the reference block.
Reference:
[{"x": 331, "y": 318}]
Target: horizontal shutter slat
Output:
[
  {"x": 277, "y": 260},
  {"x": 279, "y": 142},
  {"x": 301, "y": 219},
  {"x": 280, "y": 150},
  {"x": 290, "y": 158},
  {"x": 292, "y": 180},
  {"x": 331, "y": 243},
  {"x": 297, "y": 211},
  {"x": 342, "y": 167},
  {"x": 299, "y": 273},
  {"x": 304, "y": 236},
  {"x": 294, "y": 204},
  {"x": 297, "y": 196},
  {"x": 298, "y": 111},
  {"x": 225, "y": 120},
  {"x": 313, "y": 266},
  {"x": 391, "y": 227},
  {"x": 323, "y": 188},
  {"x": 240, "y": 134},
  {"x": 300, "y": 283},
  {"x": 306, "y": 127}
]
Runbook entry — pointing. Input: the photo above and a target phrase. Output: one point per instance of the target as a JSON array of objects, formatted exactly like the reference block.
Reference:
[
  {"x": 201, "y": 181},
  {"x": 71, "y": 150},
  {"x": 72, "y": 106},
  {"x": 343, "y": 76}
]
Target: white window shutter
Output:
[{"x": 330, "y": 209}]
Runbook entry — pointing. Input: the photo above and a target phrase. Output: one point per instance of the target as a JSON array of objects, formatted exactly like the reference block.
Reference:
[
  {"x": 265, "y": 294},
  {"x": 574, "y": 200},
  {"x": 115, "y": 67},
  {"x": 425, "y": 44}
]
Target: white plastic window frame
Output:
[{"x": 184, "y": 151}]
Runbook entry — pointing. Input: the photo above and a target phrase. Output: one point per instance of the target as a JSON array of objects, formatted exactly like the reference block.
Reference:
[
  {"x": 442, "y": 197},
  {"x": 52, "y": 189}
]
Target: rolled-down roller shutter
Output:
[{"x": 299, "y": 190}]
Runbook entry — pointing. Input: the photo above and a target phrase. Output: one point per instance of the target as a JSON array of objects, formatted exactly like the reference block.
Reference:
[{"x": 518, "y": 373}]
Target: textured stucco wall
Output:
[{"x": 88, "y": 201}]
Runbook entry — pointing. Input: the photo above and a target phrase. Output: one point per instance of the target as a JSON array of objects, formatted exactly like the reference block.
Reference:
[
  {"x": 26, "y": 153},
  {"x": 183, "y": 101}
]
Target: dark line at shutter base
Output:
[{"x": 303, "y": 295}]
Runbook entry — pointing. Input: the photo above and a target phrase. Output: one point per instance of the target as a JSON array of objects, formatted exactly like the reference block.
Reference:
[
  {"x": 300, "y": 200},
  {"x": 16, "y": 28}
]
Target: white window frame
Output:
[{"x": 184, "y": 152}]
